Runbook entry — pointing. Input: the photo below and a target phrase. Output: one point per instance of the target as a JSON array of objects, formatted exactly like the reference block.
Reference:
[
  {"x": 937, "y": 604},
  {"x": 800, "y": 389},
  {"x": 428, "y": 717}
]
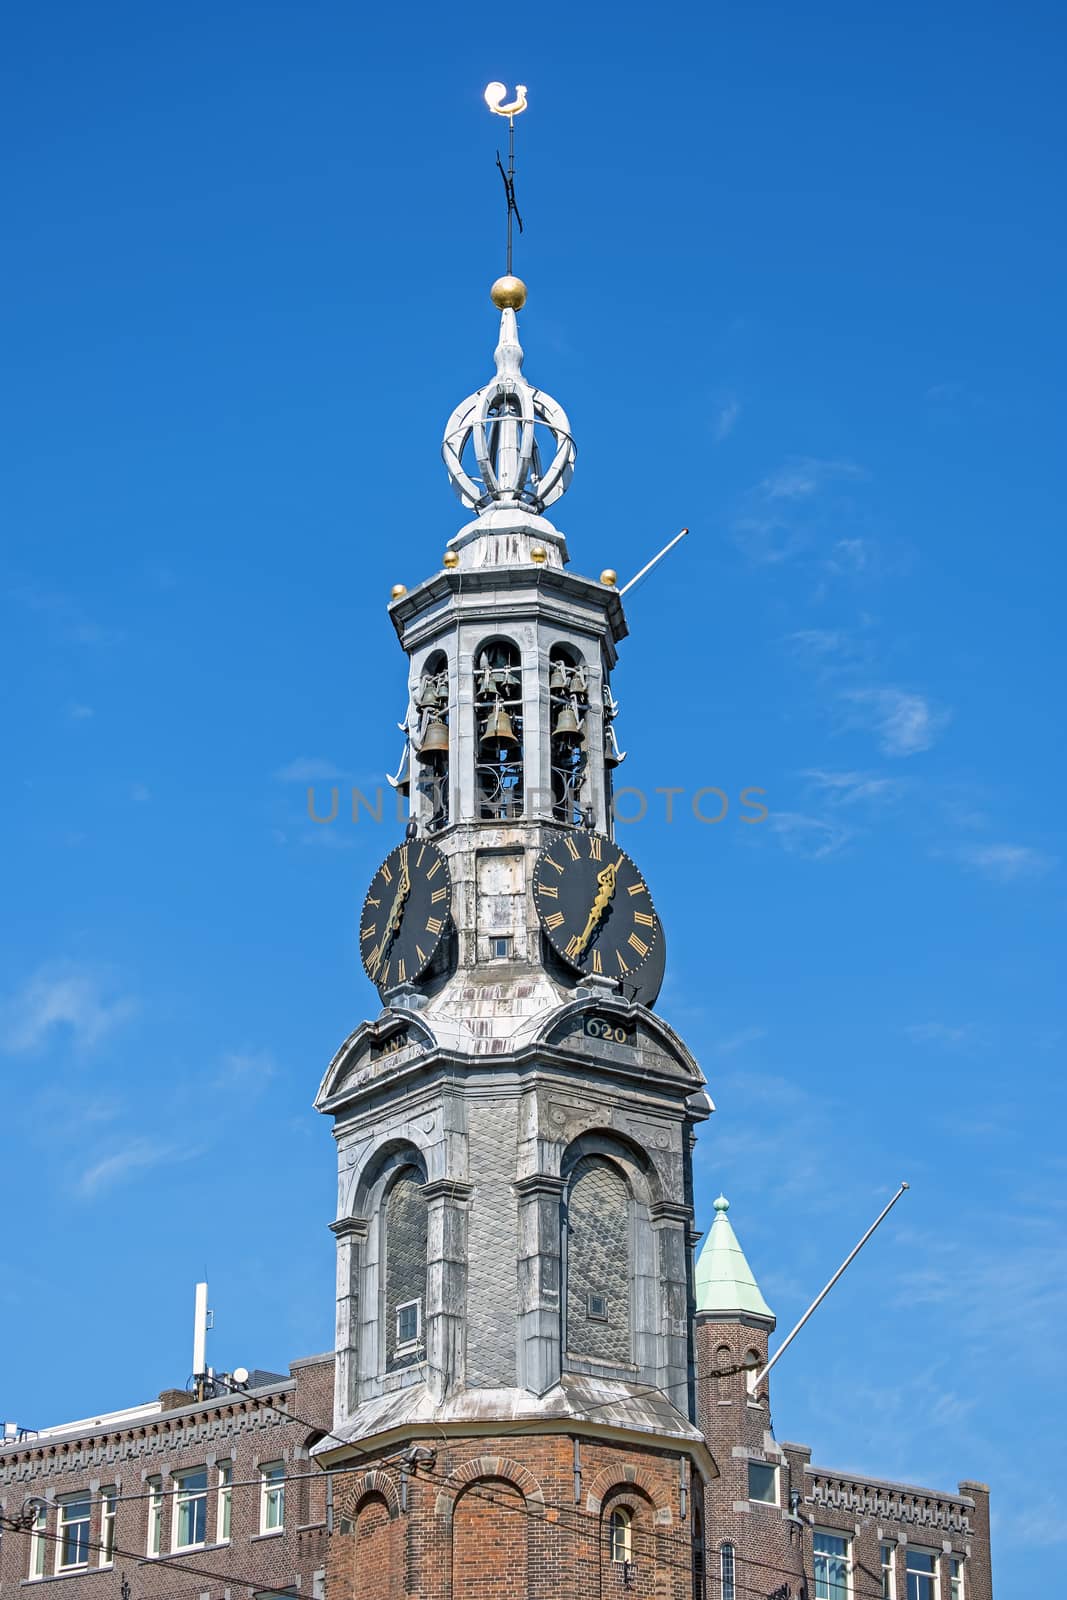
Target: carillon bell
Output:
[
  {"x": 613, "y": 756},
  {"x": 426, "y": 695},
  {"x": 568, "y": 728},
  {"x": 434, "y": 741},
  {"x": 498, "y": 728},
  {"x": 557, "y": 679}
]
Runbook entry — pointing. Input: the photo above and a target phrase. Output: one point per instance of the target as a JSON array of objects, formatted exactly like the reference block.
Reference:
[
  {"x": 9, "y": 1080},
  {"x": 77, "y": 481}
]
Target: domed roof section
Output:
[{"x": 724, "y": 1283}]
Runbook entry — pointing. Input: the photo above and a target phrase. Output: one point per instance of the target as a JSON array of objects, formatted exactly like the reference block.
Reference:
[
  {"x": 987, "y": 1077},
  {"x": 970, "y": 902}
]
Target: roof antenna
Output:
[
  {"x": 202, "y": 1322},
  {"x": 667, "y": 548},
  {"x": 495, "y": 97}
]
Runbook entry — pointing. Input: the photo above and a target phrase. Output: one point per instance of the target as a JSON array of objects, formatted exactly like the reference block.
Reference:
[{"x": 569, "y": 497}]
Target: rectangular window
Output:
[
  {"x": 921, "y": 1570},
  {"x": 225, "y": 1504},
  {"x": 832, "y": 1566},
  {"x": 889, "y": 1587},
  {"x": 73, "y": 1548},
  {"x": 955, "y": 1578},
  {"x": 408, "y": 1324},
  {"x": 155, "y": 1517},
  {"x": 108, "y": 1505},
  {"x": 39, "y": 1542},
  {"x": 272, "y": 1498},
  {"x": 500, "y": 946},
  {"x": 763, "y": 1482},
  {"x": 190, "y": 1509},
  {"x": 597, "y": 1308}
]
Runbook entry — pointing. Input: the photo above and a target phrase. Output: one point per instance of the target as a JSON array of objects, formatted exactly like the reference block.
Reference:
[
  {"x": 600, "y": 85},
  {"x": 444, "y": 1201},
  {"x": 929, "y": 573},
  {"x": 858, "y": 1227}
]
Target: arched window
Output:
[
  {"x": 621, "y": 1535},
  {"x": 405, "y": 1271},
  {"x": 431, "y": 711},
  {"x": 568, "y": 689},
  {"x": 498, "y": 713},
  {"x": 727, "y": 1582},
  {"x": 598, "y": 1251},
  {"x": 723, "y": 1362}
]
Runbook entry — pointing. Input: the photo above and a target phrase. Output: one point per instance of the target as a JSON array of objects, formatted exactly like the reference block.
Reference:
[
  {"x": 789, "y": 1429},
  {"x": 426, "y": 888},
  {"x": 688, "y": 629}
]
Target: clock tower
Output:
[{"x": 514, "y": 1337}]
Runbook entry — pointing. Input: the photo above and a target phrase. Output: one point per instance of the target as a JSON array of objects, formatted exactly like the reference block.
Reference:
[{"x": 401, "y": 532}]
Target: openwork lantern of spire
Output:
[{"x": 501, "y": 421}]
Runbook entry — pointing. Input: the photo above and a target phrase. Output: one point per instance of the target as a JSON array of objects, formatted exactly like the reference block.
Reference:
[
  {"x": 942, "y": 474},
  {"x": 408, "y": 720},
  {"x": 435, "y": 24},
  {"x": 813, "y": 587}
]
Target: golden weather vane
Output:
[{"x": 495, "y": 98}]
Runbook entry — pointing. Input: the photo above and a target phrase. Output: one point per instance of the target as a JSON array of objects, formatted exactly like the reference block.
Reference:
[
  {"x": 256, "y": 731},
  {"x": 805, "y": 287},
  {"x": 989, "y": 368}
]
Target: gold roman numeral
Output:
[
  {"x": 386, "y": 874},
  {"x": 549, "y": 890},
  {"x": 598, "y": 965},
  {"x": 422, "y": 852},
  {"x": 573, "y": 946},
  {"x": 637, "y": 888},
  {"x": 434, "y": 924},
  {"x": 638, "y": 944},
  {"x": 401, "y": 971},
  {"x": 556, "y": 920},
  {"x": 622, "y": 964},
  {"x": 372, "y": 902},
  {"x": 595, "y": 843},
  {"x": 435, "y": 869},
  {"x": 571, "y": 847},
  {"x": 421, "y": 953},
  {"x": 368, "y": 933},
  {"x": 438, "y": 894},
  {"x": 645, "y": 918},
  {"x": 550, "y": 863}
]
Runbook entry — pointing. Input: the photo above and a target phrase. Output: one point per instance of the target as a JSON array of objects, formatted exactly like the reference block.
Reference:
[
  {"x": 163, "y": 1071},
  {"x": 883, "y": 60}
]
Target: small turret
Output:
[{"x": 724, "y": 1284}]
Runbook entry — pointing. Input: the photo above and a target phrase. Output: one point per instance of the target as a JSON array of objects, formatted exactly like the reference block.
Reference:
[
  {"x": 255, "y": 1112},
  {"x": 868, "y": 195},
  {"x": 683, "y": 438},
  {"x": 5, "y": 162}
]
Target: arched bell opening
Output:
[
  {"x": 498, "y": 707},
  {"x": 568, "y": 692},
  {"x": 432, "y": 745}
]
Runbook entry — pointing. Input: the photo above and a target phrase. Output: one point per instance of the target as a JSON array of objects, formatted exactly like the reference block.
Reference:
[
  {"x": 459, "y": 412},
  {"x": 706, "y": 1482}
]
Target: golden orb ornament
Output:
[
  {"x": 450, "y": 560},
  {"x": 508, "y": 293},
  {"x": 397, "y": 590},
  {"x": 539, "y": 555},
  {"x": 610, "y": 577}
]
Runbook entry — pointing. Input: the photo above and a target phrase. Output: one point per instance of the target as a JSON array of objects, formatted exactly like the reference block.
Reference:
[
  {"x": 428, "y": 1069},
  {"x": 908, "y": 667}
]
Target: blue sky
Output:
[{"x": 795, "y": 274}]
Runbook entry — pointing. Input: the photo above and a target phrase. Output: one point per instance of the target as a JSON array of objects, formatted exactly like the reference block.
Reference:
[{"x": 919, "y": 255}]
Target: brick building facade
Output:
[{"x": 176, "y": 1499}]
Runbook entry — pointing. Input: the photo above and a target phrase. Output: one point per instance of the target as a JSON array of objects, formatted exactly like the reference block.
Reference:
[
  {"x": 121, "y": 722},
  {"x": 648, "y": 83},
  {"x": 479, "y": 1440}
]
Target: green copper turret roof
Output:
[{"x": 724, "y": 1282}]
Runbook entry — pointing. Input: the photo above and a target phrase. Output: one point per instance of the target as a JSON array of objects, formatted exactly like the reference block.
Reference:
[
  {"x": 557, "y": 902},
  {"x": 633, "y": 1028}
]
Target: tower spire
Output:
[{"x": 724, "y": 1282}]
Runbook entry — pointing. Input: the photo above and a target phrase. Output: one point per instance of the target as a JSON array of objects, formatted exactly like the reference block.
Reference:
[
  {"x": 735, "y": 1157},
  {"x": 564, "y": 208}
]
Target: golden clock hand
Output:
[
  {"x": 395, "y": 917},
  {"x": 606, "y": 880}
]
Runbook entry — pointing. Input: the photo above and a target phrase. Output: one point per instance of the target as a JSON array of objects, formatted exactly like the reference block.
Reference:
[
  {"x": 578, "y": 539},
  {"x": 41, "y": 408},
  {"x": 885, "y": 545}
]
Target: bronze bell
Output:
[
  {"x": 568, "y": 728},
  {"x": 498, "y": 728},
  {"x": 426, "y": 696},
  {"x": 434, "y": 741},
  {"x": 613, "y": 756},
  {"x": 557, "y": 680}
]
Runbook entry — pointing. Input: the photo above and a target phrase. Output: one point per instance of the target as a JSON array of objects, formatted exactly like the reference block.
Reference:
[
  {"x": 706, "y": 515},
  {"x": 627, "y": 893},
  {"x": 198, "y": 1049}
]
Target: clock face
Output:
[
  {"x": 405, "y": 914},
  {"x": 594, "y": 906}
]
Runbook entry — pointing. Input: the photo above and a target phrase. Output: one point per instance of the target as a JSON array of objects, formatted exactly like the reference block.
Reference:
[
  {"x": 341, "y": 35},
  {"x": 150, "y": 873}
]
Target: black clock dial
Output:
[
  {"x": 405, "y": 914},
  {"x": 594, "y": 906}
]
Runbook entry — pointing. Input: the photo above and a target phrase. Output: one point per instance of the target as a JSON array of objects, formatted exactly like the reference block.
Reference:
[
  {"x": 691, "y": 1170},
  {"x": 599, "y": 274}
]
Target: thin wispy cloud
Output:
[
  {"x": 904, "y": 722},
  {"x": 796, "y": 508},
  {"x": 309, "y": 769},
  {"x": 949, "y": 1036},
  {"x": 855, "y": 788},
  {"x": 137, "y": 1157},
  {"x": 78, "y": 712},
  {"x": 802, "y": 477},
  {"x": 737, "y": 1041},
  {"x": 814, "y": 838},
  {"x": 62, "y": 1002},
  {"x": 725, "y": 420},
  {"x": 1006, "y": 863},
  {"x": 245, "y": 1072},
  {"x": 62, "y": 616}
]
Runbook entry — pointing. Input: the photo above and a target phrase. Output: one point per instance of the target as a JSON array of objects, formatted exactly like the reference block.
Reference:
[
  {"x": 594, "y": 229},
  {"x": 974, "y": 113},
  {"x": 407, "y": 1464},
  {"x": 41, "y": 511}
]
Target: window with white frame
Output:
[
  {"x": 621, "y": 1533},
  {"x": 73, "y": 1547},
  {"x": 727, "y": 1579},
  {"x": 155, "y": 1517},
  {"x": 955, "y": 1578},
  {"x": 408, "y": 1325},
  {"x": 920, "y": 1567},
  {"x": 272, "y": 1498},
  {"x": 832, "y": 1566},
  {"x": 108, "y": 1505},
  {"x": 763, "y": 1482},
  {"x": 889, "y": 1573},
  {"x": 39, "y": 1542},
  {"x": 190, "y": 1509},
  {"x": 224, "y": 1505}
]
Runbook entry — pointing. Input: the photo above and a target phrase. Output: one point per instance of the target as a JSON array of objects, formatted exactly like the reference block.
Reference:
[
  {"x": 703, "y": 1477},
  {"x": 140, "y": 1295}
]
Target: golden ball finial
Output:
[
  {"x": 450, "y": 559},
  {"x": 539, "y": 555},
  {"x": 397, "y": 590},
  {"x": 610, "y": 577},
  {"x": 508, "y": 293}
]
